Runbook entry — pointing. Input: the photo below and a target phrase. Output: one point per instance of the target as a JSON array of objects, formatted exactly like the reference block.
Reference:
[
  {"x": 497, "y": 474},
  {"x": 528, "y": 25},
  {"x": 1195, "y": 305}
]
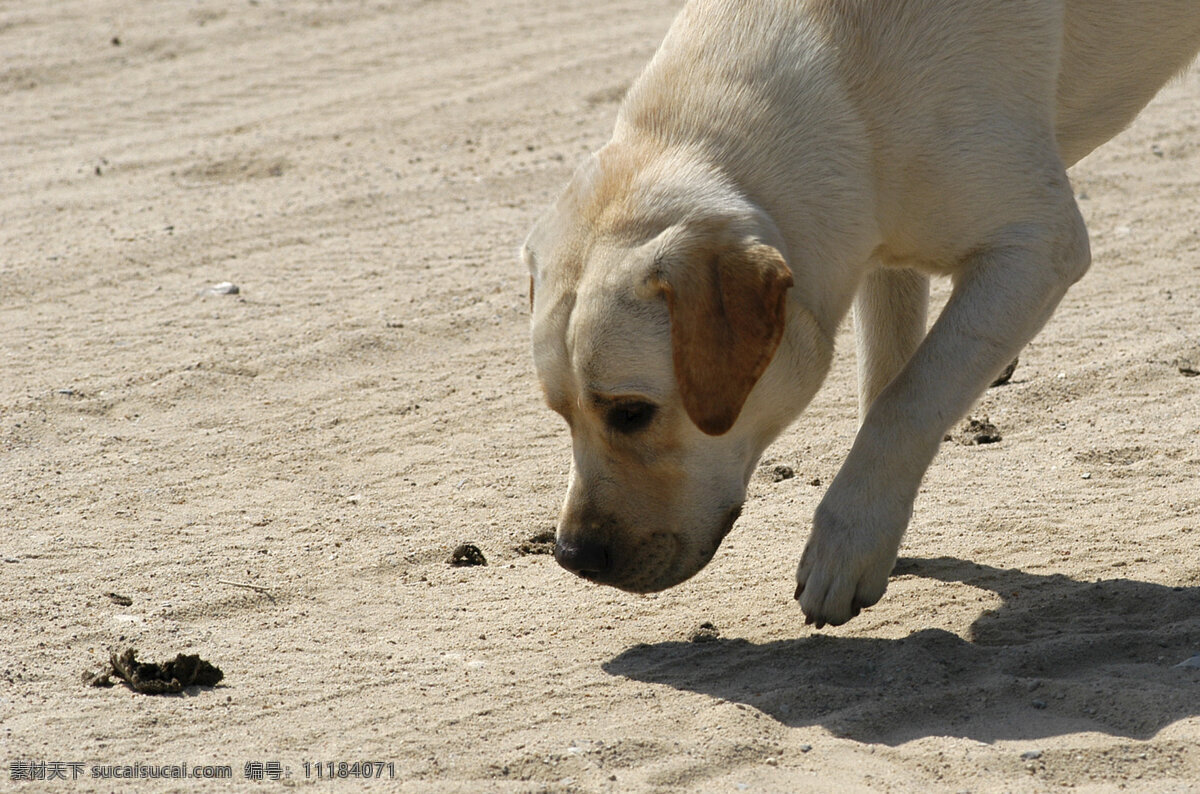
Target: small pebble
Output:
[
  {"x": 224, "y": 288},
  {"x": 705, "y": 632},
  {"x": 780, "y": 473},
  {"x": 1006, "y": 375},
  {"x": 1087, "y": 475},
  {"x": 977, "y": 431},
  {"x": 1038, "y": 704},
  {"x": 1031, "y": 755},
  {"x": 466, "y": 555},
  {"x": 1192, "y": 663},
  {"x": 804, "y": 748}
]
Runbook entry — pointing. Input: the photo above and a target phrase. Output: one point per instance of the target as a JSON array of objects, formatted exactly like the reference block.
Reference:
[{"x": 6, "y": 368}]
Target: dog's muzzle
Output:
[{"x": 651, "y": 563}]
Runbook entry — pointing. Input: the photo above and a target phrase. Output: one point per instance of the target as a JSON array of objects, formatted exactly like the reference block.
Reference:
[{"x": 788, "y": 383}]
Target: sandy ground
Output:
[{"x": 364, "y": 172}]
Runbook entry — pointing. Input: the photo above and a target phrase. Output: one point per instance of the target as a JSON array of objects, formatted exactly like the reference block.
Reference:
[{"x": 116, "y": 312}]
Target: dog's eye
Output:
[{"x": 629, "y": 417}]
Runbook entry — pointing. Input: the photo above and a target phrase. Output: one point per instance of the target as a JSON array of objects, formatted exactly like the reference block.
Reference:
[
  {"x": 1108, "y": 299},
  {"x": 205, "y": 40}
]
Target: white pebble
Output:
[{"x": 224, "y": 288}]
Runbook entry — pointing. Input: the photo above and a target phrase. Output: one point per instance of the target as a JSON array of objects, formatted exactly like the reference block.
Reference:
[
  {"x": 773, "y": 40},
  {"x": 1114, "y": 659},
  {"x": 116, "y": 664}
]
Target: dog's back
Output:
[{"x": 1116, "y": 55}]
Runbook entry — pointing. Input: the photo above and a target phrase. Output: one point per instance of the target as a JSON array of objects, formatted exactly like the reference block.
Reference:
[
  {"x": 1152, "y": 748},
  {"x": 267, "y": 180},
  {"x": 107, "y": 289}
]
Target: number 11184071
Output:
[{"x": 333, "y": 770}]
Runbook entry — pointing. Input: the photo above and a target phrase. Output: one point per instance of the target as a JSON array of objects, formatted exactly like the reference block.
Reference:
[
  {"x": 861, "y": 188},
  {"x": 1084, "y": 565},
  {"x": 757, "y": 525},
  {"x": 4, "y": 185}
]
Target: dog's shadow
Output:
[{"x": 1058, "y": 656}]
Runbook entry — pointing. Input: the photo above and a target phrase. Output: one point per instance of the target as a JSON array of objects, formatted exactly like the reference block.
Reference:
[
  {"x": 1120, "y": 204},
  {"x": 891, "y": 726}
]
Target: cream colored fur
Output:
[{"x": 864, "y": 145}]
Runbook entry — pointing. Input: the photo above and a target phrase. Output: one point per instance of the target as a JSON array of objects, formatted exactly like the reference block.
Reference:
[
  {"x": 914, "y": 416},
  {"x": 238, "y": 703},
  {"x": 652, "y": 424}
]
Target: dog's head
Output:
[{"x": 659, "y": 306}]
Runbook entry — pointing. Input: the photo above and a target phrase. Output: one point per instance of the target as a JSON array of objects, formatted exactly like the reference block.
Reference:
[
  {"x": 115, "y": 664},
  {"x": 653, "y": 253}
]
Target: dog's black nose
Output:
[{"x": 589, "y": 560}]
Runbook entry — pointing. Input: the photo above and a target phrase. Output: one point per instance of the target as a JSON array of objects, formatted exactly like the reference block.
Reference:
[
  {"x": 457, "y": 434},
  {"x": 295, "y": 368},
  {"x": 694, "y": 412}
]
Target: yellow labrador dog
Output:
[{"x": 777, "y": 162}]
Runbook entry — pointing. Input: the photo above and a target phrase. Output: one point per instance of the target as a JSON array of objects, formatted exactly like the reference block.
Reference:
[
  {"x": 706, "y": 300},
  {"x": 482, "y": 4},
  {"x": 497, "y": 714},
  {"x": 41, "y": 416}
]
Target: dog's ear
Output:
[{"x": 727, "y": 299}]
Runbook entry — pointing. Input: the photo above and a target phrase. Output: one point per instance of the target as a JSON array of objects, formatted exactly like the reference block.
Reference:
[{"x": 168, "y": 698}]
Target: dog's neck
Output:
[{"x": 820, "y": 208}]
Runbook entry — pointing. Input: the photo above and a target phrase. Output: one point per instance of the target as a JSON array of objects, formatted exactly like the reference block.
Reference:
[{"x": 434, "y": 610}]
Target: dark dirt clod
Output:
[
  {"x": 150, "y": 678},
  {"x": 1006, "y": 375},
  {"x": 976, "y": 431},
  {"x": 466, "y": 555},
  {"x": 705, "y": 632},
  {"x": 1188, "y": 371},
  {"x": 541, "y": 543},
  {"x": 119, "y": 599},
  {"x": 780, "y": 473}
]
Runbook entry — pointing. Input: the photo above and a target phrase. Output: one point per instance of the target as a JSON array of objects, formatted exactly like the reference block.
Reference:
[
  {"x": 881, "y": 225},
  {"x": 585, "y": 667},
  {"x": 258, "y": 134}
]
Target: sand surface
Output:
[{"x": 365, "y": 172}]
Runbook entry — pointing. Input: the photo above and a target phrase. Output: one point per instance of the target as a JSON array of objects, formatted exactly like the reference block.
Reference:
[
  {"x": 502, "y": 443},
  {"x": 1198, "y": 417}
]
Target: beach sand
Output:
[{"x": 364, "y": 173}]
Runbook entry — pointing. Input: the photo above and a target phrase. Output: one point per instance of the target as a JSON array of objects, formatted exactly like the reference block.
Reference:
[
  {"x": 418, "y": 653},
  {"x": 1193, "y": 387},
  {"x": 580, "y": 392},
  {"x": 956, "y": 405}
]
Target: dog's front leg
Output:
[
  {"x": 1003, "y": 294},
  {"x": 889, "y": 323}
]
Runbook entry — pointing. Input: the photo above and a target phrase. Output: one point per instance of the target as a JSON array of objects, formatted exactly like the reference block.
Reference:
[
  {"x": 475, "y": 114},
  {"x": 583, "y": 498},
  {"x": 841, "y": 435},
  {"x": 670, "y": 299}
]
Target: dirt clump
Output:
[
  {"x": 540, "y": 543},
  {"x": 153, "y": 678},
  {"x": 974, "y": 432}
]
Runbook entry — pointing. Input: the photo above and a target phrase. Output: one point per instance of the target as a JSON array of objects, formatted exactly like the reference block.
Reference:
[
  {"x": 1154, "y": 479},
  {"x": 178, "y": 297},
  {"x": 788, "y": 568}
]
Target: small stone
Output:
[
  {"x": 815, "y": 482},
  {"x": 1031, "y": 755},
  {"x": 705, "y": 632},
  {"x": 466, "y": 555},
  {"x": 1006, "y": 375},
  {"x": 98, "y": 678},
  {"x": 224, "y": 288},
  {"x": 804, "y": 748},
  {"x": 978, "y": 431},
  {"x": 1192, "y": 663},
  {"x": 780, "y": 473},
  {"x": 1038, "y": 704},
  {"x": 1087, "y": 475}
]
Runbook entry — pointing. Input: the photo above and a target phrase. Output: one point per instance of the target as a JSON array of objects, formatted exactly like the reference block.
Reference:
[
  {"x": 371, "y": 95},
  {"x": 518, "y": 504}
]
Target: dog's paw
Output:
[{"x": 845, "y": 566}]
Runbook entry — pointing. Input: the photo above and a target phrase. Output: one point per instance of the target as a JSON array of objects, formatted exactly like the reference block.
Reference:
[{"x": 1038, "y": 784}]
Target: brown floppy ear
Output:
[{"x": 728, "y": 303}]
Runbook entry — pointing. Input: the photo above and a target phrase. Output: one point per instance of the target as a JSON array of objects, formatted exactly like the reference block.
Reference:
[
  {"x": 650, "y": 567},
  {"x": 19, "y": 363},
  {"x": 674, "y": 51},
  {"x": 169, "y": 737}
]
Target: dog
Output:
[{"x": 776, "y": 164}]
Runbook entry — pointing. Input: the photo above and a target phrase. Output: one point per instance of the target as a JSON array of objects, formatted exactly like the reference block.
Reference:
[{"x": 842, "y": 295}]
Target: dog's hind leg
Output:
[
  {"x": 1005, "y": 290},
  {"x": 889, "y": 322}
]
